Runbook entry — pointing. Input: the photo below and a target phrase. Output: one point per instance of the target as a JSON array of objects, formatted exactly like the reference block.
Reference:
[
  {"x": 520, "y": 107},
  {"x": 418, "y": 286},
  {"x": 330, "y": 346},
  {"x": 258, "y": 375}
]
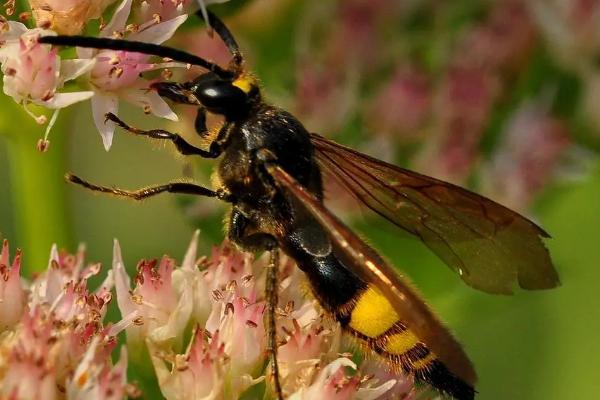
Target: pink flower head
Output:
[
  {"x": 116, "y": 73},
  {"x": 33, "y": 73},
  {"x": 462, "y": 107},
  {"x": 332, "y": 383},
  {"x": 46, "y": 351},
  {"x": 63, "y": 286},
  {"x": 197, "y": 374},
  {"x": 67, "y": 17},
  {"x": 60, "y": 344},
  {"x": 571, "y": 30},
  {"x": 95, "y": 379},
  {"x": 12, "y": 295},
  {"x": 401, "y": 108},
  {"x": 239, "y": 323},
  {"x": 160, "y": 314},
  {"x": 27, "y": 354},
  {"x": 302, "y": 348},
  {"x": 165, "y": 9},
  {"x": 528, "y": 157}
]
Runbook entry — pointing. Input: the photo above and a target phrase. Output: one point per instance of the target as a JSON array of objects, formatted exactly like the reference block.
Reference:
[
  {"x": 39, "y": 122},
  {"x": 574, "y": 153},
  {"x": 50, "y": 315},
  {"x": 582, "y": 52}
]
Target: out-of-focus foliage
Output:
[{"x": 502, "y": 96}]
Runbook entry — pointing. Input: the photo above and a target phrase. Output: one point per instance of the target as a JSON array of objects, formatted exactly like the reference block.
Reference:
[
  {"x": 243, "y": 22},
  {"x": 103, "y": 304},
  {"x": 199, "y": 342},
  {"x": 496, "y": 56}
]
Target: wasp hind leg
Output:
[
  {"x": 180, "y": 143},
  {"x": 272, "y": 297},
  {"x": 238, "y": 225},
  {"x": 141, "y": 194}
]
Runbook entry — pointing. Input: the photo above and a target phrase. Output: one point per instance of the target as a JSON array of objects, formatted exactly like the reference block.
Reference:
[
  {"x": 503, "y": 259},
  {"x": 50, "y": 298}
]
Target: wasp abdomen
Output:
[
  {"x": 366, "y": 314},
  {"x": 371, "y": 319}
]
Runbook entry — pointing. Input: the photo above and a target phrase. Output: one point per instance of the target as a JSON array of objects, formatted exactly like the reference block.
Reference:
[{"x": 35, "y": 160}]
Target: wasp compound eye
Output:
[{"x": 220, "y": 96}]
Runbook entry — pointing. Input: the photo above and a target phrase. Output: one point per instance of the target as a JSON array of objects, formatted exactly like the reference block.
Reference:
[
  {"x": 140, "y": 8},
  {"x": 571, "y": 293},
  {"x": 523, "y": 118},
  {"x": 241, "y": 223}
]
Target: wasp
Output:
[{"x": 271, "y": 172}]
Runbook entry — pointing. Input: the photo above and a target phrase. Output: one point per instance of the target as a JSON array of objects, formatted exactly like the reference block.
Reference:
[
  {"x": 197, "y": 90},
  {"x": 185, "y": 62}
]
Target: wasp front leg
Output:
[{"x": 180, "y": 143}]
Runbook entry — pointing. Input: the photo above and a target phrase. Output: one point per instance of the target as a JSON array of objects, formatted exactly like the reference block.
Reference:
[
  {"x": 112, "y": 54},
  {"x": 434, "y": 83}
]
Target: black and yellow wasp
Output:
[{"x": 270, "y": 172}]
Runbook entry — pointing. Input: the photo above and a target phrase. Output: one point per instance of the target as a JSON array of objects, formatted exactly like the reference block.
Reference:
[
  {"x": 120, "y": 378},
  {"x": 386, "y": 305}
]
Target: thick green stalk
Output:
[{"x": 36, "y": 186}]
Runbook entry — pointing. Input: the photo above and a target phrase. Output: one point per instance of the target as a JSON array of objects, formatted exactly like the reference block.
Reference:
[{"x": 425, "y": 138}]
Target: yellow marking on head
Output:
[
  {"x": 400, "y": 343},
  {"x": 373, "y": 314},
  {"x": 245, "y": 82},
  {"x": 423, "y": 362}
]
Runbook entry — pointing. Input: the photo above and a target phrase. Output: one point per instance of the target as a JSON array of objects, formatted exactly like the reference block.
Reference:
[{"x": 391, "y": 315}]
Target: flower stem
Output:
[{"x": 37, "y": 185}]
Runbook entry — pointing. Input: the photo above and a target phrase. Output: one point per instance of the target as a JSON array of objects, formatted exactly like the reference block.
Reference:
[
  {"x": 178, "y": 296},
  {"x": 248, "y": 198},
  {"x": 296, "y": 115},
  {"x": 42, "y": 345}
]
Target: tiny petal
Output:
[
  {"x": 151, "y": 101},
  {"x": 71, "y": 69},
  {"x": 122, "y": 282},
  {"x": 119, "y": 19},
  {"x": 103, "y": 103},
  {"x": 160, "y": 32},
  {"x": 189, "y": 260},
  {"x": 12, "y": 294},
  {"x": 62, "y": 100}
]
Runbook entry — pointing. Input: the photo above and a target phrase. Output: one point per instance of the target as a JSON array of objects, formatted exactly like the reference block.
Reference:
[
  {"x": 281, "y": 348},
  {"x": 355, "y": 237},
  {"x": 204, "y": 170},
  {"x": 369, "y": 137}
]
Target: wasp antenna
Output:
[
  {"x": 136, "y": 47},
  {"x": 225, "y": 35}
]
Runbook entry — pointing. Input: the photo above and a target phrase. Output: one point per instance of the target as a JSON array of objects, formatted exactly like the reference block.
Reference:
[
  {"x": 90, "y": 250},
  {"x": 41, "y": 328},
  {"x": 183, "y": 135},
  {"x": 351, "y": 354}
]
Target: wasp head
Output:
[{"x": 229, "y": 97}]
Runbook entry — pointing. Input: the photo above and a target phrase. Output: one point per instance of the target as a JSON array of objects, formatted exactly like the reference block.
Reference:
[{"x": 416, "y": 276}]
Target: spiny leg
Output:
[
  {"x": 141, "y": 194},
  {"x": 182, "y": 146},
  {"x": 272, "y": 297}
]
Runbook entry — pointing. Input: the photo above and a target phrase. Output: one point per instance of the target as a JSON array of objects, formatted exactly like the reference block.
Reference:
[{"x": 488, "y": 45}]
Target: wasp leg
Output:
[
  {"x": 182, "y": 146},
  {"x": 272, "y": 297},
  {"x": 141, "y": 194}
]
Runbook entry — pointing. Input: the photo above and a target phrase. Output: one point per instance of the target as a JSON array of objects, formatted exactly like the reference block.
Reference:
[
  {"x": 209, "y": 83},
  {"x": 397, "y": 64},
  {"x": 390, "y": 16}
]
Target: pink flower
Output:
[
  {"x": 332, "y": 383},
  {"x": 160, "y": 314},
  {"x": 59, "y": 343},
  {"x": 197, "y": 374},
  {"x": 571, "y": 30},
  {"x": 239, "y": 324},
  {"x": 33, "y": 73},
  {"x": 116, "y": 73},
  {"x": 67, "y": 17},
  {"x": 462, "y": 108},
  {"x": 95, "y": 379},
  {"x": 165, "y": 9},
  {"x": 168, "y": 9},
  {"x": 402, "y": 107},
  {"x": 12, "y": 294},
  {"x": 528, "y": 157}
]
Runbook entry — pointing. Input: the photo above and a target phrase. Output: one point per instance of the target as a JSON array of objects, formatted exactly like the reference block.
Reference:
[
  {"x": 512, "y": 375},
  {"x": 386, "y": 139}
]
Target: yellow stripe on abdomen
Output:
[
  {"x": 423, "y": 362},
  {"x": 400, "y": 343},
  {"x": 372, "y": 314}
]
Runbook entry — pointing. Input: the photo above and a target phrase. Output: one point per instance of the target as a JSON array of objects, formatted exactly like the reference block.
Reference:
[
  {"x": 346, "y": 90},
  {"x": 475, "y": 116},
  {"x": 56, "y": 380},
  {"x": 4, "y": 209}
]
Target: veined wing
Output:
[
  {"x": 371, "y": 268},
  {"x": 490, "y": 246}
]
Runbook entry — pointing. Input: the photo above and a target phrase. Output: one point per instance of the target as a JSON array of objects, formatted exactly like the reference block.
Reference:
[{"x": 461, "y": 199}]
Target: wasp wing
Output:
[
  {"x": 370, "y": 267},
  {"x": 490, "y": 246}
]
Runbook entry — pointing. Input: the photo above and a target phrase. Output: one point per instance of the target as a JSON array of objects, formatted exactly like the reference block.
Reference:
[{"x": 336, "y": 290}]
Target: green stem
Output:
[{"x": 37, "y": 187}]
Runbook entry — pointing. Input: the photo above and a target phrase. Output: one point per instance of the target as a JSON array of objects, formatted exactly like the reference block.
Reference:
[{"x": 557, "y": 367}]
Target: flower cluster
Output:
[
  {"x": 53, "y": 341},
  {"x": 35, "y": 73},
  {"x": 200, "y": 324},
  {"x": 438, "y": 94}
]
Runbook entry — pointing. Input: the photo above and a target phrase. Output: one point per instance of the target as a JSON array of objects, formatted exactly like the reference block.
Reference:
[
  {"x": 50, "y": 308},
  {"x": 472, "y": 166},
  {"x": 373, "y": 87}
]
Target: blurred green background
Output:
[{"x": 528, "y": 346}]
